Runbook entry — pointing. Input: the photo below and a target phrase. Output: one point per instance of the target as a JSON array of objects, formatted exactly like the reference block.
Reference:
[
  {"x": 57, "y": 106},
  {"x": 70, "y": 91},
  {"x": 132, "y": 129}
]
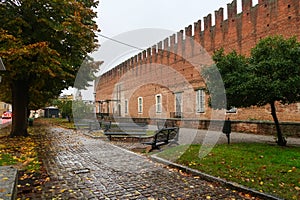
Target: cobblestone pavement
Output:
[{"x": 81, "y": 167}]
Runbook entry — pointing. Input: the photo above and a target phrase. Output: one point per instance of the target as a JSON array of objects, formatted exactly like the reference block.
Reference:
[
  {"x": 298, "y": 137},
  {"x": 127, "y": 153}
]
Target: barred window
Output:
[
  {"x": 158, "y": 103},
  {"x": 126, "y": 106},
  {"x": 140, "y": 105}
]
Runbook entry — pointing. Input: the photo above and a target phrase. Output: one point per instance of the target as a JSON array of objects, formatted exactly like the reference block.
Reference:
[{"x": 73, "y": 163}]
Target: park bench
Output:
[
  {"x": 126, "y": 129},
  {"x": 164, "y": 135}
]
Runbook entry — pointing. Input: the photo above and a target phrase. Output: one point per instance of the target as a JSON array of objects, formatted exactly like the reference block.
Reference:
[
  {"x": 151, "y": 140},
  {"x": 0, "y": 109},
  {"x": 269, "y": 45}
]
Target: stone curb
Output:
[
  {"x": 8, "y": 182},
  {"x": 208, "y": 177}
]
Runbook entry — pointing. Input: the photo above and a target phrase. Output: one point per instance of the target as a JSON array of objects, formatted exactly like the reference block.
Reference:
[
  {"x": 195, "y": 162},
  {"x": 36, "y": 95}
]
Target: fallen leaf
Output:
[{"x": 261, "y": 183}]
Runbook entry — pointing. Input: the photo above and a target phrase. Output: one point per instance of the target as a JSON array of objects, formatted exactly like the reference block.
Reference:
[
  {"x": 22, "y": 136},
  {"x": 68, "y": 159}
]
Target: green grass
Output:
[
  {"x": 150, "y": 132},
  {"x": 59, "y": 122},
  {"x": 7, "y": 159},
  {"x": 19, "y": 152},
  {"x": 267, "y": 168}
]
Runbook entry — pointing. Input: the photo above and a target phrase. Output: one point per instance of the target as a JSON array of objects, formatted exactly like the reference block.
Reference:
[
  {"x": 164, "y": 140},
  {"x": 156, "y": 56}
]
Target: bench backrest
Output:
[
  {"x": 127, "y": 127},
  {"x": 166, "y": 134}
]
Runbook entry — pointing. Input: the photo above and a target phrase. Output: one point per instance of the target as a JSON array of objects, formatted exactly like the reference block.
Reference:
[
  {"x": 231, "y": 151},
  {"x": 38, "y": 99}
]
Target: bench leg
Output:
[{"x": 154, "y": 146}]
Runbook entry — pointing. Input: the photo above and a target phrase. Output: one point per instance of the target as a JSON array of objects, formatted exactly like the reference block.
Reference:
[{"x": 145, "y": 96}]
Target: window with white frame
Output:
[
  {"x": 200, "y": 101},
  {"x": 158, "y": 103},
  {"x": 178, "y": 102},
  {"x": 140, "y": 105},
  {"x": 118, "y": 91},
  {"x": 126, "y": 106}
]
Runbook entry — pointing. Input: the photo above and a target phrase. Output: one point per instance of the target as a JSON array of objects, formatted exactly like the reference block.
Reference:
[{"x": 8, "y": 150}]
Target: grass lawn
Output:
[
  {"x": 19, "y": 151},
  {"x": 58, "y": 122},
  {"x": 267, "y": 168}
]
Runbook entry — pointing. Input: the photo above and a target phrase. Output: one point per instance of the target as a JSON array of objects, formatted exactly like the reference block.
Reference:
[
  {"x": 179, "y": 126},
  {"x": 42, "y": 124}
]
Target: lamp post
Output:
[{"x": 2, "y": 68}]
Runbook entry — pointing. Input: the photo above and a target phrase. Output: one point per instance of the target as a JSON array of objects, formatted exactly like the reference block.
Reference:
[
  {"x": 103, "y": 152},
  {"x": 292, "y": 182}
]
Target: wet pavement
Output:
[{"x": 81, "y": 167}]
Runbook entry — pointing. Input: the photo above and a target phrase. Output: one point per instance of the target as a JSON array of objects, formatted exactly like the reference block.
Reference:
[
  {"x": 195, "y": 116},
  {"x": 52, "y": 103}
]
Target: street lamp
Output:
[{"x": 2, "y": 68}]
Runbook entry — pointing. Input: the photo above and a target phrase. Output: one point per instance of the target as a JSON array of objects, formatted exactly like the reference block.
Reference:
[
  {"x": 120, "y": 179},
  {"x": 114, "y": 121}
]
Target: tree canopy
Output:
[
  {"x": 270, "y": 74},
  {"x": 43, "y": 44}
]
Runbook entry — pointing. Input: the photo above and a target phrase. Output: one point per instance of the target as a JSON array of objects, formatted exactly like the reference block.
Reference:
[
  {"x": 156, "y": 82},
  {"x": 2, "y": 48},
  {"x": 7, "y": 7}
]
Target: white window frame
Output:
[
  {"x": 158, "y": 105},
  {"x": 140, "y": 105},
  {"x": 180, "y": 102},
  {"x": 200, "y": 101}
]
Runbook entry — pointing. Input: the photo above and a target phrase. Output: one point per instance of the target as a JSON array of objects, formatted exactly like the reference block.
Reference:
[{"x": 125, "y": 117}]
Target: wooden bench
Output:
[
  {"x": 164, "y": 136},
  {"x": 126, "y": 129}
]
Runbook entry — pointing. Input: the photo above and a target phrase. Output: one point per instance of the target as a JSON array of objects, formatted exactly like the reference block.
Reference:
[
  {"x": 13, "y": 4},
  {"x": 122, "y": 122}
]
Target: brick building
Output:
[{"x": 165, "y": 80}]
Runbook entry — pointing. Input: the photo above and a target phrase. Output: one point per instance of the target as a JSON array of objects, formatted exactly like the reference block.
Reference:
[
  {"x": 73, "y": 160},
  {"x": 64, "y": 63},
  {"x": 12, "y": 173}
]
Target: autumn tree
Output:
[
  {"x": 43, "y": 44},
  {"x": 270, "y": 75}
]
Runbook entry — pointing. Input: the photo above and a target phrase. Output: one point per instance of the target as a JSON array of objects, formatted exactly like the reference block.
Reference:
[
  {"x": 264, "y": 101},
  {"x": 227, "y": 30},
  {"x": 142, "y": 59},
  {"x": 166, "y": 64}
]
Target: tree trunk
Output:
[
  {"x": 280, "y": 139},
  {"x": 19, "y": 107}
]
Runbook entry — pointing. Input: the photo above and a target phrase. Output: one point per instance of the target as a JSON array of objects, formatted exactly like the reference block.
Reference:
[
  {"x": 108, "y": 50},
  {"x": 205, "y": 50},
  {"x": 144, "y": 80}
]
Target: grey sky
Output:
[{"x": 117, "y": 18}]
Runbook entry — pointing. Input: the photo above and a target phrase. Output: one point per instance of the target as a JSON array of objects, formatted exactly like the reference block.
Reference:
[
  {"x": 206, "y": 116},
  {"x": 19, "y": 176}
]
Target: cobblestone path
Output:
[{"x": 84, "y": 168}]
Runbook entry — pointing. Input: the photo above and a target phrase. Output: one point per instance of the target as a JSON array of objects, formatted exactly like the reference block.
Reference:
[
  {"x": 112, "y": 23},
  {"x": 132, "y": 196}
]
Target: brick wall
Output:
[{"x": 173, "y": 64}]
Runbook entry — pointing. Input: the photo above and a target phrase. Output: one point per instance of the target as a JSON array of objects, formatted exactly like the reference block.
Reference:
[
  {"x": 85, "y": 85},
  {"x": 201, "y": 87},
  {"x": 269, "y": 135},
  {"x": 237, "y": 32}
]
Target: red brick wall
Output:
[{"x": 238, "y": 32}]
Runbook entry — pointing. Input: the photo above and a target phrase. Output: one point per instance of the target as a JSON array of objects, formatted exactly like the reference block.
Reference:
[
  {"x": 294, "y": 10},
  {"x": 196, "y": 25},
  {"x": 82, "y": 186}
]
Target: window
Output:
[
  {"x": 126, "y": 106},
  {"x": 178, "y": 101},
  {"x": 178, "y": 105},
  {"x": 158, "y": 103},
  {"x": 140, "y": 105},
  {"x": 200, "y": 101},
  {"x": 118, "y": 91}
]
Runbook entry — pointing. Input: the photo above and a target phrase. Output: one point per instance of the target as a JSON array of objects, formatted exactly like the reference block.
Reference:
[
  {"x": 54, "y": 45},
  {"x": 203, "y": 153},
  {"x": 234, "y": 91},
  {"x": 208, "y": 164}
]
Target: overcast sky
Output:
[
  {"x": 117, "y": 16},
  {"x": 120, "y": 19}
]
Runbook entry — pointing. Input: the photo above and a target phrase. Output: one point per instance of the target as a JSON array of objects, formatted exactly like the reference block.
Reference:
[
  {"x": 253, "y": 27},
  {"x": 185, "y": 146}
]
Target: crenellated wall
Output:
[{"x": 182, "y": 51}]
